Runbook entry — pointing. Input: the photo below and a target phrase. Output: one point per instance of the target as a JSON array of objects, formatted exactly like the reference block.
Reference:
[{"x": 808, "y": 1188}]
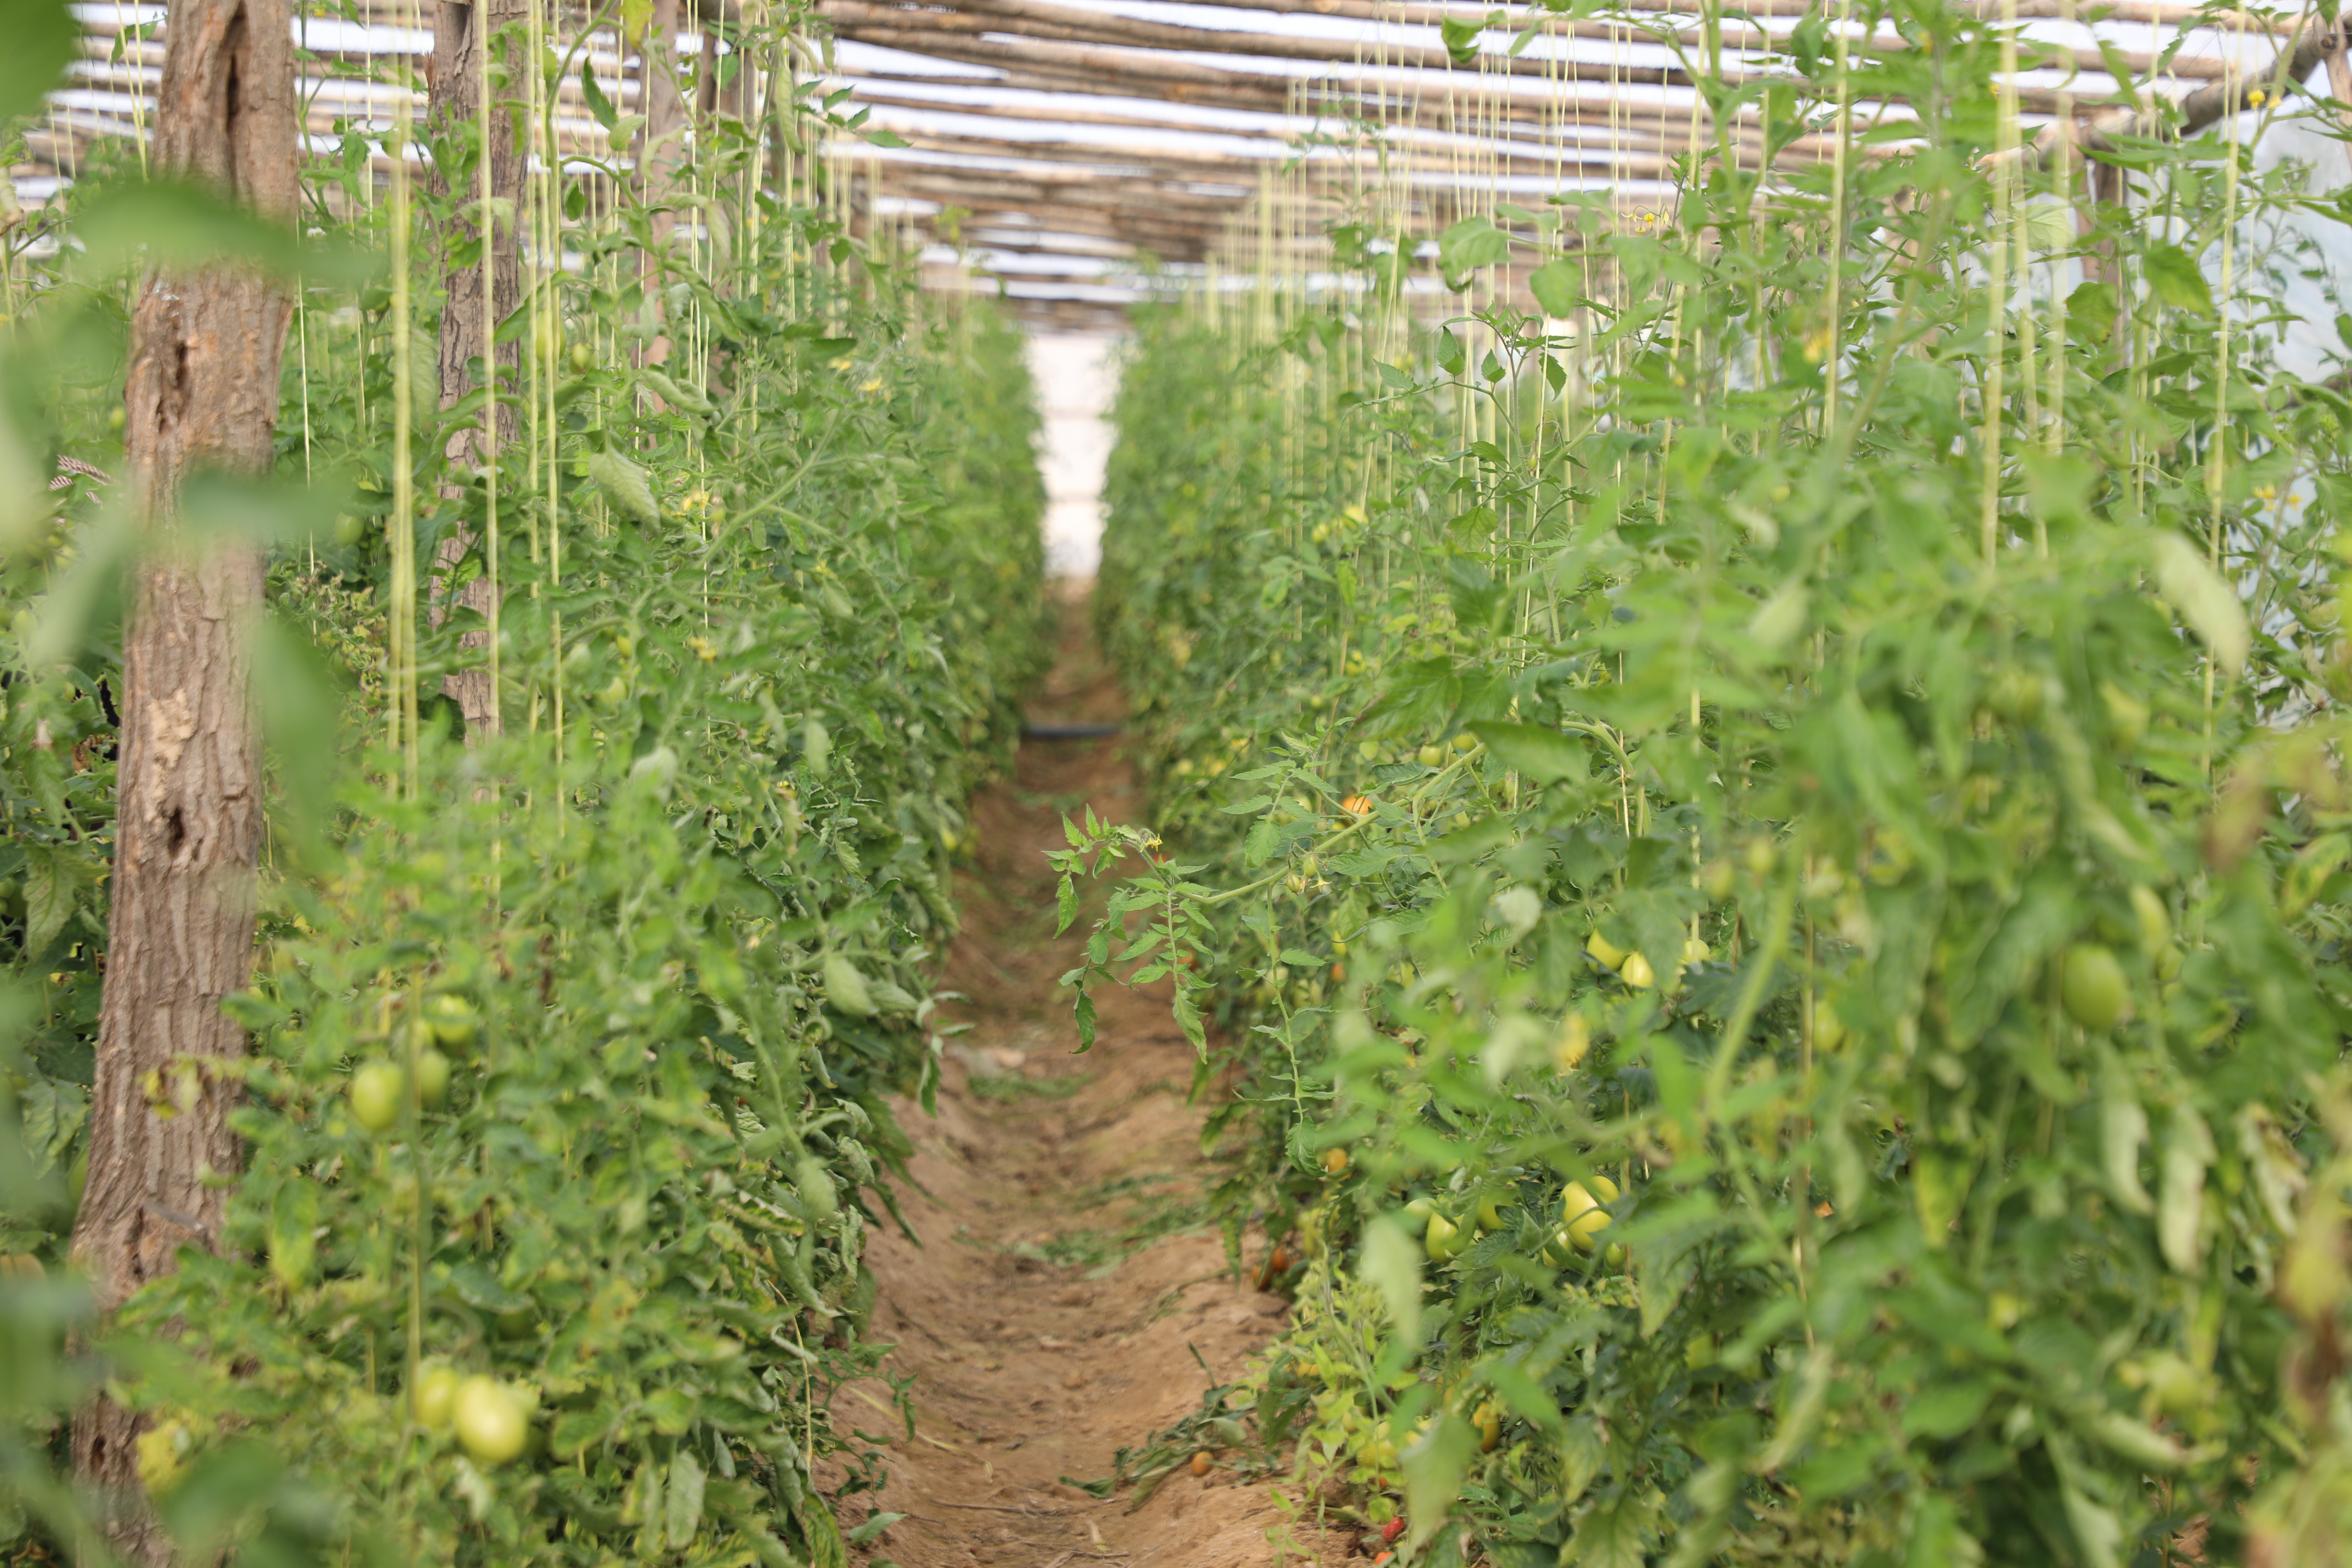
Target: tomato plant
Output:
[
  {"x": 1782, "y": 811},
  {"x": 565, "y": 1116}
]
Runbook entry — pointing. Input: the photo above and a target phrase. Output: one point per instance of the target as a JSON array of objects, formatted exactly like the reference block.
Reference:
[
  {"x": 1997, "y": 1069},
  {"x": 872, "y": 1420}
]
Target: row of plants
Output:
[
  {"x": 1761, "y": 826},
  {"x": 563, "y": 1122}
]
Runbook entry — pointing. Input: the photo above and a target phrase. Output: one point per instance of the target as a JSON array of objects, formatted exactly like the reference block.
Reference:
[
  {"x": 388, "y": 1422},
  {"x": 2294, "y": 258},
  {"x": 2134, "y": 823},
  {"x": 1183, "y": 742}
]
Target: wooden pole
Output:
[{"x": 201, "y": 393}]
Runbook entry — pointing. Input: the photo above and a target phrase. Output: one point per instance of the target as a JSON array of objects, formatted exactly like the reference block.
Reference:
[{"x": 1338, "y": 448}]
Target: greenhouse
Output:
[{"x": 1046, "y": 784}]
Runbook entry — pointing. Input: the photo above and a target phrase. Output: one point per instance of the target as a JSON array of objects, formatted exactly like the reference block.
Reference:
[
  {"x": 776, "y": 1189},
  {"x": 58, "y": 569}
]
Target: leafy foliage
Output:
[
  {"x": 571, "y": 1045},
  {"x": 1779, "y": 991}
]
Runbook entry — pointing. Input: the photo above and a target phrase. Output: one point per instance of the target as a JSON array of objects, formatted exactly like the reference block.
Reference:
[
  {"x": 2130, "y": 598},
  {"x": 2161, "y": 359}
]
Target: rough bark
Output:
[
  {"x": 461, "y": 31},
  {"x": 456, "y": 107},
  {"x": 2306, "y": 44},
  {"x": 661, "y": 157},
  {"x": 1073, "y": 23},
  {"x": 1419, "y": 13},
  {"x": 661, "y": 162},
  {"x": 201, "y": 393},
  {"x": 706, "y": 84}
]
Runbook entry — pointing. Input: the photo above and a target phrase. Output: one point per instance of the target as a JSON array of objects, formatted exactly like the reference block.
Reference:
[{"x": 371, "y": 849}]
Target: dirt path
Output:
[{"x": 1068, "y": 1300}]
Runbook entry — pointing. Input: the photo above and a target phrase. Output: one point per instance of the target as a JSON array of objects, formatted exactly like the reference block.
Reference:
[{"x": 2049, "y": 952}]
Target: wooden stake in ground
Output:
[
  {"x": 662, "y": 158},
  {"x": 461, "y": 32},
  {"x": 202, "y": 392}
]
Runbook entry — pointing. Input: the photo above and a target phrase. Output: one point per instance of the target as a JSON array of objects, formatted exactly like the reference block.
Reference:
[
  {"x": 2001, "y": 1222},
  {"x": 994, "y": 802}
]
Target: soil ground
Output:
[{"x": 1069, "y": 1298}]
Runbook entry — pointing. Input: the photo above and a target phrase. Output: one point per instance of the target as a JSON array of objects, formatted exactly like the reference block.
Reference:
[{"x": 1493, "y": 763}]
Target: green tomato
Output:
[
  {"x": 1416, "y": 1214},
  {"x": 2016, "y": 694},
  {"x": 453, "y": 1020},
  {"x": 1430, "y": 756},
  {"x": 1445, "y": 1239},
  {"x": 2154, "y": 918},
  {"x": 2092, "y": 984},
  {"x": 377, "y": 1090},
  {"x": 491, "y": 1420},
  {"x": 432, "y": 1078},
  {"x": 434, "y": 1401},
  {"x": 1490, "y": 1214}
]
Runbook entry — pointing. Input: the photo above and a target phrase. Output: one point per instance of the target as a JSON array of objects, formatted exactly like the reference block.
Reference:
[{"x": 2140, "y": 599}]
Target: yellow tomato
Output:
[
  {"x": 1583, "y": 1212},
  {"x": 1489, "y": 1422},
  {"x": 1570, "y": 1045}
]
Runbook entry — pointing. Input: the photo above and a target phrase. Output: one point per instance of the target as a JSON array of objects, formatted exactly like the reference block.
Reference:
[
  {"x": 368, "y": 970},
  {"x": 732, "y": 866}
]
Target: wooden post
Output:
[
  {"x": 662, "y": 158},
  {"x": 201, "y": 393},
  {"x": 461, "y": 31}
]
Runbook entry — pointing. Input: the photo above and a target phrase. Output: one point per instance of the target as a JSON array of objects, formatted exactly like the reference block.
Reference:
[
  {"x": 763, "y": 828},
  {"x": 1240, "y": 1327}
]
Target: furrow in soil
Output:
[{"x": 1070, "y": 1295}]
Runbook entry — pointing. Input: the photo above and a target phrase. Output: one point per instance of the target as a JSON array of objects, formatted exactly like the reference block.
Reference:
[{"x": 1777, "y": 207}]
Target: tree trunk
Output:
[
  {"x": 461, "y": 32},
  {"x": 202, "y": 392},
  {"x": 662, "y": 164}
]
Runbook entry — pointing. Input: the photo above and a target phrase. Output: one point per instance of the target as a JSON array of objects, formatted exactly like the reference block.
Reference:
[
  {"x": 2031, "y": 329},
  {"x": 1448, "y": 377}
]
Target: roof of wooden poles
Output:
[
  {"x": 1059, "y": 134},
  {"x": 1045, "y": 148}
]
